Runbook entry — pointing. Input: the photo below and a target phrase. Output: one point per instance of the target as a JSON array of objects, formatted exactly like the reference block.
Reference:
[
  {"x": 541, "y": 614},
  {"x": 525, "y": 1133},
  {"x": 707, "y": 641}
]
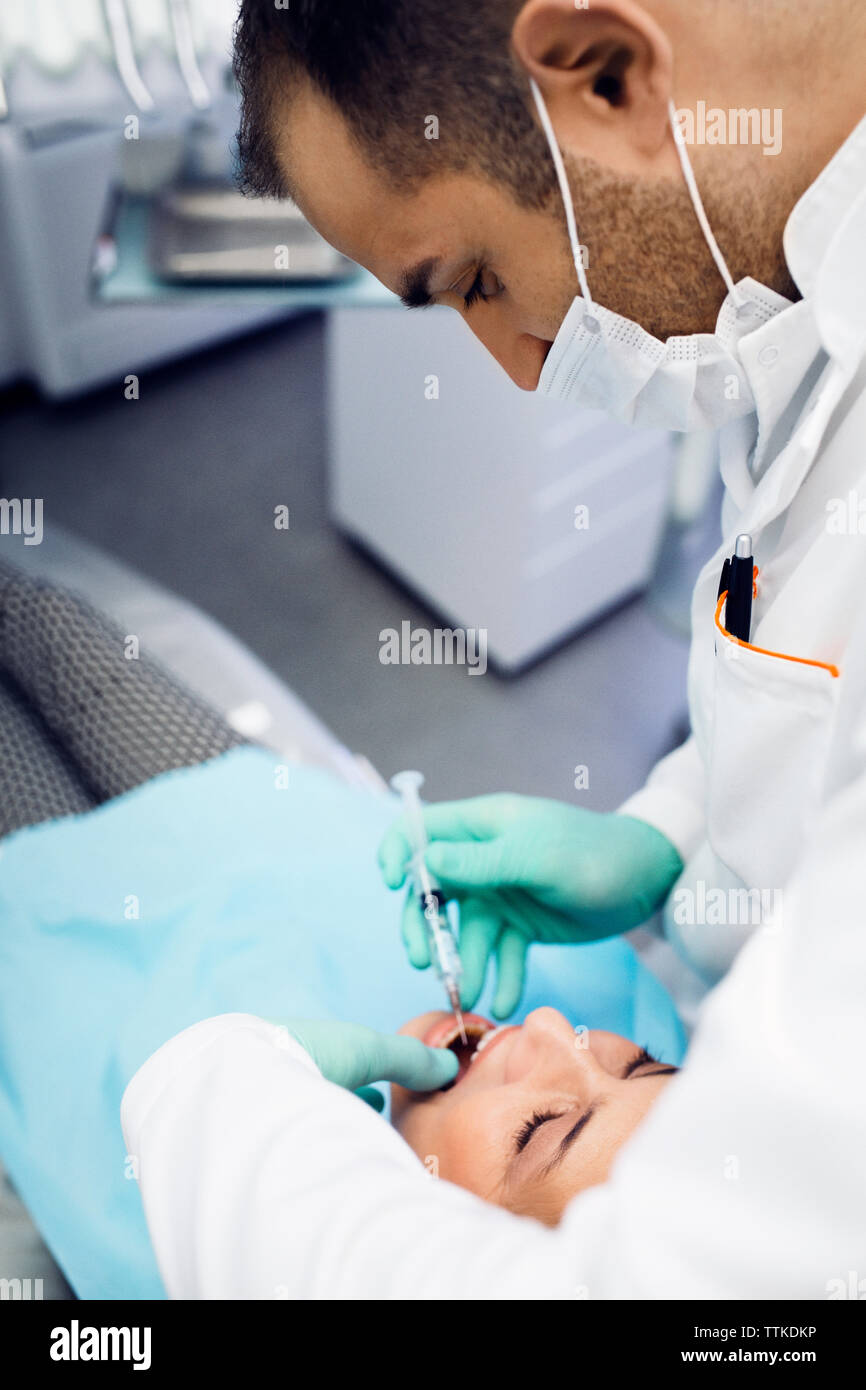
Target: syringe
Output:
[{"x": 443, "y": 947}]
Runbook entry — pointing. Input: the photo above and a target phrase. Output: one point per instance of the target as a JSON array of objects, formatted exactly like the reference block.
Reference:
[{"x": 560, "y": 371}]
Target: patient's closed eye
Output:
[
  {"x": 641, "y": 1059},
  {"x": 526, "y": 1131}
]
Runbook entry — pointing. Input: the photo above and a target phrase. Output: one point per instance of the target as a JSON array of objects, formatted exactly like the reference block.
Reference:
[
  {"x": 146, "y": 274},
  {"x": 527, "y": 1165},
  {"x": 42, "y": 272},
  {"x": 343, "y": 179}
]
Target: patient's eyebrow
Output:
[
  {"x": 415, "y": 283},
  {"x": 578, "y": 1127}
]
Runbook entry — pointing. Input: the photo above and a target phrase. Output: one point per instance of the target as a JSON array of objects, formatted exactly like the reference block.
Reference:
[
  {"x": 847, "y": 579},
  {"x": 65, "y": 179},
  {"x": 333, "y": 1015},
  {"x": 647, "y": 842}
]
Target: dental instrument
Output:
[{"x": 440, "y": 935}]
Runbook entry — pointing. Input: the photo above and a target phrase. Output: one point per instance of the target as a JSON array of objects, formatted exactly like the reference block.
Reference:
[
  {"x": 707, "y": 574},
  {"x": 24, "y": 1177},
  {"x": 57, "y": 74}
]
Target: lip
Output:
[
  {"x": 492, "y": 1046},
  {"x": 446, "y": 1028},
  {"x": 445, "y": 1033}
]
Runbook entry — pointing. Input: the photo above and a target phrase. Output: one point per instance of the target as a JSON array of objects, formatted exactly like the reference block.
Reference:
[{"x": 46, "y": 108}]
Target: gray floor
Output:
[{"x": 182, "y": 484}]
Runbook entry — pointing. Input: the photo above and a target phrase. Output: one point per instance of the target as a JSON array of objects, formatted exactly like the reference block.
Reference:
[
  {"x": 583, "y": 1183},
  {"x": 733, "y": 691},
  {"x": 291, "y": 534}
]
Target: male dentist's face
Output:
[
  {"x": 474, "y": 233},
  {"x": 538, "y": 1113},
  {"x": 506, "y": 268}
]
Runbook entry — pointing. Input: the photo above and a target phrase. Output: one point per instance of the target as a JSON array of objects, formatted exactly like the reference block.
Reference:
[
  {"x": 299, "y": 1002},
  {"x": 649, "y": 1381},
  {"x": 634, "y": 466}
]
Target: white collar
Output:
[
  {"x": 825, "y": 241},
  {"x": 816, "y": 217}
]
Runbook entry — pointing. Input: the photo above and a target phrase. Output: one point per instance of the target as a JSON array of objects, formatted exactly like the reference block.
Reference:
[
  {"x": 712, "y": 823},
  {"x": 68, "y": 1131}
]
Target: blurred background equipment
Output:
[
  {"x": 212, "y": 234},
  {"x": 116, "y": 126}
]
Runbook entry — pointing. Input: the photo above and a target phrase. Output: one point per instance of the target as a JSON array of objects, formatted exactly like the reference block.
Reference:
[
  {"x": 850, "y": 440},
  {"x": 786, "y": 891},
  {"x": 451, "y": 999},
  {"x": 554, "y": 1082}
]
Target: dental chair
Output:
[{"x": 213, "y": 663}]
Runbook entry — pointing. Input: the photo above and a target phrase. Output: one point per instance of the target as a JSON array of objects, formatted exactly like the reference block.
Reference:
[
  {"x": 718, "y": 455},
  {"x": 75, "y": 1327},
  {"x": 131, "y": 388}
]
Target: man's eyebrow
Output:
[{"x": 415, "y": 283}]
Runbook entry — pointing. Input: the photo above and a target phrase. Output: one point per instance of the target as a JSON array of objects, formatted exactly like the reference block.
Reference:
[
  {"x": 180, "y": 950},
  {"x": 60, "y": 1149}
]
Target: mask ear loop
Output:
[
  {"x": 741, "y": 302},
  {"x": 565, "y": 191},
  {"x": 697, "y": 204}
]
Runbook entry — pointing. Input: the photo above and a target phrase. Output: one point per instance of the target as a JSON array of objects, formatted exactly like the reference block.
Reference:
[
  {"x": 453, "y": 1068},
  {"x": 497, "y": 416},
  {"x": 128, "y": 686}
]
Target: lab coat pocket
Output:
[{"x": 772, "y": 722}]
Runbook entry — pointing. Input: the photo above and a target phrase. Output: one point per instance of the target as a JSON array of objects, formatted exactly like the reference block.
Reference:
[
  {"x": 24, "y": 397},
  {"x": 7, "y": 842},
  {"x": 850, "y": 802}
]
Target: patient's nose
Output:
[{"x": 553, "y": 1050}]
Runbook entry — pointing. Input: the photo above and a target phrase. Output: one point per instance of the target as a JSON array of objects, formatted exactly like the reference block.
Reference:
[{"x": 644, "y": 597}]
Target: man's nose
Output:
[{"x": 521, "y": 355}]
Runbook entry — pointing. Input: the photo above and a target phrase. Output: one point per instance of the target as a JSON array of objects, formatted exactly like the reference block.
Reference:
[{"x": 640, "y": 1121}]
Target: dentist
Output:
[{"x": 728, "y": 290}]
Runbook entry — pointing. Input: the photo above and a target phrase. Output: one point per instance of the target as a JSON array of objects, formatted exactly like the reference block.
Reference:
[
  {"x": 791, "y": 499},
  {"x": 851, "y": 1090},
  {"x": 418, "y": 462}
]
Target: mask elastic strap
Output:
[
  {"x": 564, "y": 190},
  {"x": 697, "y": 204}
]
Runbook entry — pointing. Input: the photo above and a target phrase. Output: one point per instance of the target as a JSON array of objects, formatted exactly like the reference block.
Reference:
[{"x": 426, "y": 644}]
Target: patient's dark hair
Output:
[{"x": 388, "y": 65}]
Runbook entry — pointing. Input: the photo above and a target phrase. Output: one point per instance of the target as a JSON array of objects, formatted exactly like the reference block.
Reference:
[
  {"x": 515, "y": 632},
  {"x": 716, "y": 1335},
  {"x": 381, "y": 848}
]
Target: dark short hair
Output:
[{"x": 389, "y": 65}]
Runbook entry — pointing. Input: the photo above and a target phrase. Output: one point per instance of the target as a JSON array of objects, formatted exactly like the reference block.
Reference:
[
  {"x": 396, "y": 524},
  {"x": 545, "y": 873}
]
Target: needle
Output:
[
  {"x": 444, "y": 953},
  {"x": 454, "y": 999}
]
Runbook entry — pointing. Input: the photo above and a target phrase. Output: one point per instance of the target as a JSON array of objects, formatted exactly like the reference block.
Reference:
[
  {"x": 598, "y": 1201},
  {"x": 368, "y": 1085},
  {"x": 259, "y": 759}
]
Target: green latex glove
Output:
[
  {"x": 351, "y": 1055},
  {"x": 526, "y": 869}
]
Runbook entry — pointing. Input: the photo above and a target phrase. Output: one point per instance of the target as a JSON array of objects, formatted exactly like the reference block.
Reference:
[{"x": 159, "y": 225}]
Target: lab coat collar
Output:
[
  {"x": 819, "y": 219},
  {"x": 824, "y": 245}
]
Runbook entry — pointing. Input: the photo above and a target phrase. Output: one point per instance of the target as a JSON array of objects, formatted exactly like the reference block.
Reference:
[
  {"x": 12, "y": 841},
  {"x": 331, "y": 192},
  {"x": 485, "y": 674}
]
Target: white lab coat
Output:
[{"x": 260, "y": 1179}]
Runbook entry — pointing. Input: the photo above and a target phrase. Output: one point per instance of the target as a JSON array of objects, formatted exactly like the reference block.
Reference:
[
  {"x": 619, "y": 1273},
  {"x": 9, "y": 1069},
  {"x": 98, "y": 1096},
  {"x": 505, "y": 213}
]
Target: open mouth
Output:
[{"x": 446, "y": 1033}]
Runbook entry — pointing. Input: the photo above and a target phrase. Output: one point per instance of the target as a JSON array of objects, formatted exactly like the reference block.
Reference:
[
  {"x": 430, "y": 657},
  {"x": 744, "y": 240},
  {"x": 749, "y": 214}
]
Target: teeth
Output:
[{"x": 487, "y": 1038}]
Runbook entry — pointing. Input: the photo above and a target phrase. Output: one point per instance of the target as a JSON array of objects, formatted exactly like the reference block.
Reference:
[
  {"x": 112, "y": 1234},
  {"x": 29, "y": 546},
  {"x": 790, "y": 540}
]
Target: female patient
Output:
[
  {"x": 157, "y": 870},
  {"x": 537, "y": 1113}
]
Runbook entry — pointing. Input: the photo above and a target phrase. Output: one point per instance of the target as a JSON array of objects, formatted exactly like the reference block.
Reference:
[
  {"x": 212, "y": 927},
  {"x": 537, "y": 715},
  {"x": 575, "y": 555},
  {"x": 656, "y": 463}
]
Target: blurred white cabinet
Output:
[{"x": 500, "y": 509}]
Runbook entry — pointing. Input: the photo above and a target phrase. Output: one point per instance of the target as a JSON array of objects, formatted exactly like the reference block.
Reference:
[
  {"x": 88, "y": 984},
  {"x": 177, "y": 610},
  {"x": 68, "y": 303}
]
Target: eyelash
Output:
[
  {"x": 541, "y": 1117},
  {"x": 640, "y": 1059},
  {"x": 476, "y": 292},
  {"x": 526, "y": 1131}
]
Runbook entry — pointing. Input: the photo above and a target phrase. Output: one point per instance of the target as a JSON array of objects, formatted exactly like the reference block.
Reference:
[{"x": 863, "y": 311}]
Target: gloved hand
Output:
[
  {"x": 526, "y": 869},
  {"x": 351, "y": 1055}
]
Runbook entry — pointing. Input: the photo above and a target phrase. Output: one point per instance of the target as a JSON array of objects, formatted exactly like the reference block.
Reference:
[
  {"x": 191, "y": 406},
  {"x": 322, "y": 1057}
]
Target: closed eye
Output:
[
  {"x": 478, "y": 290},
  {"x": 643, "y": 1059},
  {"x": 526, "y": 1131},
  {"x": 475, "y": 292}
]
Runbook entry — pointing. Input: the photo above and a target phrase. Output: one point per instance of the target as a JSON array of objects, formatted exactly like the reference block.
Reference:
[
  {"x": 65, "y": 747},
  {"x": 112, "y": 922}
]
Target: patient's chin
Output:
[{"x": 401, "y": 1104}]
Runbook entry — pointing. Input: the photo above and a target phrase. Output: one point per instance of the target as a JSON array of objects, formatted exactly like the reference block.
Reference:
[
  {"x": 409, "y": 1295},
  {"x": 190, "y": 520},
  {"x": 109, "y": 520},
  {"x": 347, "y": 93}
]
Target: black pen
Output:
[
  {"x": 738, "y": 610},
  {"x": 725, "y": 581}
]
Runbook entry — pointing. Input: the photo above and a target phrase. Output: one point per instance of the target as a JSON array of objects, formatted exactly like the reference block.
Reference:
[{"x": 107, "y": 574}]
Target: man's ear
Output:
[{"x": 606, "y": 74}]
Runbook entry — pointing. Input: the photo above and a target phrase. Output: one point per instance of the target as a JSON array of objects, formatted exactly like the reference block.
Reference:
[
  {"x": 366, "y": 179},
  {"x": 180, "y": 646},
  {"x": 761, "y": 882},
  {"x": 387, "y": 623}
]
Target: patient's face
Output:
[{"x": 538, "y": 1112}]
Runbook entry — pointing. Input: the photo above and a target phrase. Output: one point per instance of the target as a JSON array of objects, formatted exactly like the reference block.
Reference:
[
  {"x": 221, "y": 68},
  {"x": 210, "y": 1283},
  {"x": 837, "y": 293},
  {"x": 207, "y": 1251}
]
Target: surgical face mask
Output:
[{"x": 602, "y": 361}]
